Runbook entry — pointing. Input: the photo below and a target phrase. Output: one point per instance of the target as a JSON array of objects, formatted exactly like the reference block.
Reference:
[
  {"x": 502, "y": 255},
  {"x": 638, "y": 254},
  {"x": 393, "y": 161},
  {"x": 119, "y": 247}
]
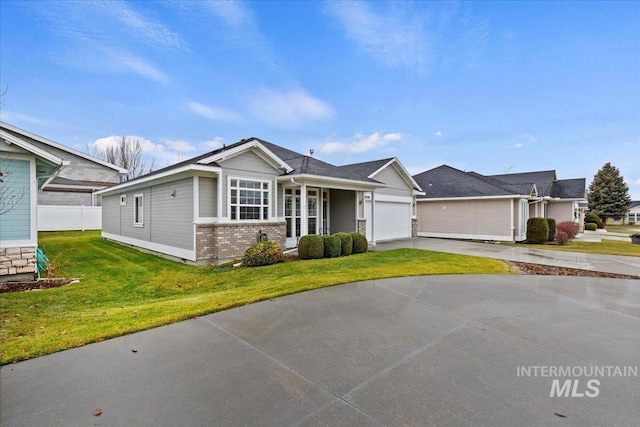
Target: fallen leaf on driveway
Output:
[{"x": 96, "y": 412}]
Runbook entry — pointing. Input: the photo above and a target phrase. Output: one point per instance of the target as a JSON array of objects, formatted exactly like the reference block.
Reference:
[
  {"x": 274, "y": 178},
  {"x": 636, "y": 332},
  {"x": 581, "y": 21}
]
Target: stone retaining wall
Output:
[{"x": 17, "y": 263}]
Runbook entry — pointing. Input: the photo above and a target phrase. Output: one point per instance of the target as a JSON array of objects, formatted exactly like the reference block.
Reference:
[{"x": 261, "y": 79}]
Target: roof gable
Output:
[
  {"x": 22, "y": 134},
  {"x": 375, "y": 168},
  {"x": 253, "y": 144}
]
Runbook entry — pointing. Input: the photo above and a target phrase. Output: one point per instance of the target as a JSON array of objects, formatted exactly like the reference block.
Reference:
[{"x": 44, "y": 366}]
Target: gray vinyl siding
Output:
[
  {"x": 397, "y": 186},
  {"x": 247, "y": 166},
  {"x": 167, "y": 219},
  {"x": 80, "y": 168},
  {"x": 65, "y": 198},
  {"x": 208, "y": 196},
  {"x": 111, "y": 214},
  {"x": 171, "y": 217},
  {"x": 342, "y": 211}
]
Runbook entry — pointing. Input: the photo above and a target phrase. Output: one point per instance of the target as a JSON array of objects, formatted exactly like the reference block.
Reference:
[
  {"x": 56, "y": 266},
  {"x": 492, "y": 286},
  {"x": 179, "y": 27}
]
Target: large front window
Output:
[{"x": 248, "y": 200}]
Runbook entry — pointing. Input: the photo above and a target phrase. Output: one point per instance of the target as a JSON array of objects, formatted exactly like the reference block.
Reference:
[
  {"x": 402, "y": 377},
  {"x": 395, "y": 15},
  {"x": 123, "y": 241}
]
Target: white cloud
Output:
[
  {"x": 518, "y": 145},
  {"x": 214, "y": 113},
  {"x": 288, "y": 110},
  {"x": 390, "y": 38},
  {"x": 179, "y": 145},
  {"x": 102, "y": 144},
  {"x": 215, "y": 143},
  {"x": 637, "y": 181},
  {"x": 361, "y": 143},
  {"x": 530, "y": 137},
  {"x": 124, "y": 61},
  {"x": 438, "y": 133}
]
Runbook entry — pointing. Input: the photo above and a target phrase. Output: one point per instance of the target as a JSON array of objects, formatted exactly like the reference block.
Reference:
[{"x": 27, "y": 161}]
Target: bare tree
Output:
[{"x": 127, "y": 154}]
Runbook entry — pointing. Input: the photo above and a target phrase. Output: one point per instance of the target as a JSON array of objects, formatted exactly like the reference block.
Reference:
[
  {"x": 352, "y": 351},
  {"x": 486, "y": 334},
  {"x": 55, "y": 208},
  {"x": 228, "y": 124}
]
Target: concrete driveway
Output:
[
  {"x": 440, "y": 350},
  {"x": 629, "y": 265}
]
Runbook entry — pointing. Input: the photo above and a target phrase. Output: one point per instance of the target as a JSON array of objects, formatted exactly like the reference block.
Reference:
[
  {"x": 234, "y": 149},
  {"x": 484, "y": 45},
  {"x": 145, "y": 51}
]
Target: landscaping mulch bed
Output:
[
  {"x": 34, "y": 285},
  {"x": 548, "y": 270}
]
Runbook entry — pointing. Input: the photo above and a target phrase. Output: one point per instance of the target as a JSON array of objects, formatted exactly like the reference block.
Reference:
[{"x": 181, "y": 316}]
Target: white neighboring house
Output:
[{"x": 67, "y": 201}]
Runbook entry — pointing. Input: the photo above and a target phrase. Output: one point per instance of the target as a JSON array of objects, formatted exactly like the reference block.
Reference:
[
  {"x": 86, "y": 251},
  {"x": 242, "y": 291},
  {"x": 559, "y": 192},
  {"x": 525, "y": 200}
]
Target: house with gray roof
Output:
[
  {"x": 211, "y": 208},
  {"x": 469, "y": 205}
]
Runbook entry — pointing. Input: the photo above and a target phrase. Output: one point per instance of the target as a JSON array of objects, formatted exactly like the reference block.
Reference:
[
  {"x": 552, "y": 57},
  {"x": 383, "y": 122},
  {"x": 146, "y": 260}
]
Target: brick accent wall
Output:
[
  {"x": 219, "y": 243},
  {"x": 17, "y": 263},
  {"x": 414, "y": 227},
  {"x": 362, "y": 226}
]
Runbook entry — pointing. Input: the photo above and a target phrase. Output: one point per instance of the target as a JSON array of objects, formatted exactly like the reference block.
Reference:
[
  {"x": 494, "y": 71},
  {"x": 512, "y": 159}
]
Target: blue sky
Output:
[{"x": 492, "y": 87}]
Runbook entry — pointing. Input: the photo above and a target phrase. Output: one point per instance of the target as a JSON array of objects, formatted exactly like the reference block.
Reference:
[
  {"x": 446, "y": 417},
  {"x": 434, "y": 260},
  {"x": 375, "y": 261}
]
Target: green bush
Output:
[
  {"x": 263, "y": 253},
  {"x": 311, "y": 246},
  {"x": 592, "y": 218},
  {"x": 537, "y": 230},
  {"x": 346, "y": 243},
  {"x": 551, "y": 223},
  {"x": 360, "y": 244},
  {"x": 332, "y": 246},
  {"x": 591, "y": 226}
]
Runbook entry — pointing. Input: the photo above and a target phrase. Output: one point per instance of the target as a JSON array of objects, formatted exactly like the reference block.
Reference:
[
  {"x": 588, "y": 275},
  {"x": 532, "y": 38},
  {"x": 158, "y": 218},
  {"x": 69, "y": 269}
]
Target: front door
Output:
[{"x": 292, "y": 216}]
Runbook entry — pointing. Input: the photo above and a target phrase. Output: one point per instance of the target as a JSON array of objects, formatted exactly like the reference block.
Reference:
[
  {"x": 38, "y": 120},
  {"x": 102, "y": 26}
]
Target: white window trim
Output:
[
  {"x": 269, "y": 207},
  {"x": 135, "y": 208},
  {"x": 123, "y": 200}
]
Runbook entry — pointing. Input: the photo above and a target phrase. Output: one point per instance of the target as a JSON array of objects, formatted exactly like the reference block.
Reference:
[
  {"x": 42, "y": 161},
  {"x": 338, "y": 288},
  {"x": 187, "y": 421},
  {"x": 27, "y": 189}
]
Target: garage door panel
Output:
[{"x": 392, "y": 220}]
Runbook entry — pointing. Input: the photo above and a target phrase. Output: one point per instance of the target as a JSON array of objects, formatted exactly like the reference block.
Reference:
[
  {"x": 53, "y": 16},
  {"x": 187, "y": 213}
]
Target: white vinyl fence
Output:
[{"x": 61, "y": 218}]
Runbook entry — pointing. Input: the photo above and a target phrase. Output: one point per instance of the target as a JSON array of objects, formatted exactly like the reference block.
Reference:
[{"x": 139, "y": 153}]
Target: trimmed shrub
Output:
[
  {"x": 591, "y": 217},
  {"x": 346, "y": 243},
  {"x": 552, "y": 229},
  {"x": 590, "y": 226},
  {"x": 360, "y": 244},
  {"x": 600, "y": 225},
  {"x": 562, "y": 238},
  {"x": 263, "y": 253},
  {"x": 537, "y": 230},
  {"x": 332, "y": 246},
  {"x": 569, "y": 227},
  {"x": 311, "y": 246}
]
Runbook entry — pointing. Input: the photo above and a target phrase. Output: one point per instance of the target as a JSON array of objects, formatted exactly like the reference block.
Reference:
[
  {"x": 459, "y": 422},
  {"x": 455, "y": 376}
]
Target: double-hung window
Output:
[
  {"x": 248, "y": 199},
  {"x": 138, "y": 210}
]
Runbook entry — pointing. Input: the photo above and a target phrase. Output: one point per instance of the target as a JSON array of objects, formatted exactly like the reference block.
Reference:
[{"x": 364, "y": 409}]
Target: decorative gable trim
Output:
[
  {"x": 401, "y": 169},
  {"x": 254, "y": 145}
]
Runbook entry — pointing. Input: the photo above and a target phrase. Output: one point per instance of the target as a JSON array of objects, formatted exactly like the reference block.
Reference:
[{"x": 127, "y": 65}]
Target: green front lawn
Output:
[{"x": 124, "y": 290}]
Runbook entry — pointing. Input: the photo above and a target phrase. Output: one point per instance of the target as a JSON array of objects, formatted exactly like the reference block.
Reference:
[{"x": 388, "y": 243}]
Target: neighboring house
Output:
[
  {"x": 68, "y": 201},
  {"x": 468, "y": 205},
  {"x": 76, "y": 184},
  {"x": 25, "y": 170},
  {"x": 633, "y": 215},
  {"x": 211, "y": 208}
]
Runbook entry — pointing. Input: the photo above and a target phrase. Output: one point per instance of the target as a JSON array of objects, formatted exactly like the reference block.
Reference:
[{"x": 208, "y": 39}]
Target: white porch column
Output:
[
  {"x": 373, "y": 217},
  {"x": 220, "y": 185},
  {"x": 304, "y": 214},
  {"x": 320, "y": 203}
]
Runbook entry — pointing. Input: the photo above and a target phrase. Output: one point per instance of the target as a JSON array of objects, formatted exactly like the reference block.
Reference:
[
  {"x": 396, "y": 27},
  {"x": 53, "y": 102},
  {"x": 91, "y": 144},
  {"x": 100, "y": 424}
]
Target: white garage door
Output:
[{"x": 392, "y": 221}]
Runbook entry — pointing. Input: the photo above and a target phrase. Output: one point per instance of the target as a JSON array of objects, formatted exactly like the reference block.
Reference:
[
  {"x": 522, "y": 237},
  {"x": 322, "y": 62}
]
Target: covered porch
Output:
[{"x": 317, "y": 206}]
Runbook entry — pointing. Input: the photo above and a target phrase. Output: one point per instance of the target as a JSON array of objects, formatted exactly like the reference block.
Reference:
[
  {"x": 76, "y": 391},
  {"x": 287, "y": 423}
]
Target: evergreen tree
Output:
[{"x": 608, "y": 194}]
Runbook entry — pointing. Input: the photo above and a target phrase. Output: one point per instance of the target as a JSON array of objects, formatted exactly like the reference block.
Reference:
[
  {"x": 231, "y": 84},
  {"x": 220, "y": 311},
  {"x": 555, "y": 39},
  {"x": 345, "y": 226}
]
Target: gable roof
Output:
[
  {"x": 447, "y": 182},
  {"x": 634, "y": 203},
  {"x": 291, "y": 163},
  {"x": 48, "y": 165},
  {"x": 21, "y": 133},
  {"x": 372, "y": 168}
]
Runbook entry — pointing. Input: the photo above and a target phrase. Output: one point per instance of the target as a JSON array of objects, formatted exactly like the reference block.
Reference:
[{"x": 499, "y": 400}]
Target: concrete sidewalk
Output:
[
  {"x": 413, "y": 351},
  {"x": 606, "y": 263}
]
